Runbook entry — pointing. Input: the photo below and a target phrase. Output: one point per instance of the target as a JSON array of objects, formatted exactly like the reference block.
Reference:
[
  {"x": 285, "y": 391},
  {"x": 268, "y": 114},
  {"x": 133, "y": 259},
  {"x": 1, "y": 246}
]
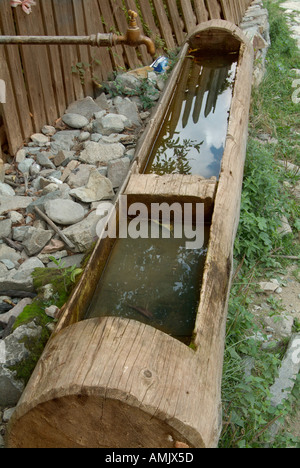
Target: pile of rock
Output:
[
  {"x": 49, "y": 194},
  {"x": 256, "y": 26}
]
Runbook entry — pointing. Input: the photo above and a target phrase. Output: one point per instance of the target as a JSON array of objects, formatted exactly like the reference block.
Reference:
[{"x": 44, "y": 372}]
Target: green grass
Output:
[{"x": 247, "y": 411}]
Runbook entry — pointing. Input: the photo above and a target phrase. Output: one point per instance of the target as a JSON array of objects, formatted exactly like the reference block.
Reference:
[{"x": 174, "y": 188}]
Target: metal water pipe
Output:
[{"x": 133, "y": 38}]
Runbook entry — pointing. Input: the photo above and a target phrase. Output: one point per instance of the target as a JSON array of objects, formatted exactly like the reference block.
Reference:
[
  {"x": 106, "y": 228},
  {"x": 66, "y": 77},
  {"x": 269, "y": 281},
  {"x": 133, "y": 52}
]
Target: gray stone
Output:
[
  {"x": 281, "y": 326},
  {"x": 117, "y": 171},
  {"x": 9, "y": 254},
  {"x": 8, "y": 264},
  {"x": 15, "y": 217},
  {"x": 98, "y": 188},
  {"x": 83, "y": 234},
  {"x": 3, "y": 269},
  {"x": 35, "y": 240},
  {"x": 14, "y": 352},
  {"x": 130, "y": 84},
  {"x": 84, "y": 136},
  {"x": 52, "y": 311},
  {"x": 6, "y": 190},
  {"x": 20, "y": 156},
  {"x": 102, "y": 102},
  {"x": 34, "y": 169},
  {"x": 110, "y": 123},
  {"x": 64, "y": 212},
  {"x": 14, "y": 203},
  {"x": 7, "y": 414},
  {"x": 96, "y": 137},
  {"x": 43, "y": 160},
  {"x": 101, "y": 153},
  {"x": 29, "y": 265},
  {"x": 63, "y": 157},
  {"x": 52, "y": 187},
  {"x": 69, "y": 261},
  {"x": 19, "y": 232},
  {"x": 40, "y": 139},
  {"x": 85, "y": 107},
  {"x": 269, "y": 286},
  {"x": 128, "y": 108},
  {"x": 5, "y": 228},
  {"x": 40, "y": 202},
  {"x": 21, "y": 279},
  {"x": 15, "y": 311},
  {"x": 80, "y": 176},
  {"x": 75, "y": 120},
  {"x": 288, "y": 372},
  {"x": 100, "y": 114},
  {"x": 48, "y": 130},
  {"x": 64, "y": 140},
  {"x": 40, "y": 183},
  {"x": 152, "y": 93},
  {"x": 285, "y": 227},
  {"x": 11, "y": 389}
]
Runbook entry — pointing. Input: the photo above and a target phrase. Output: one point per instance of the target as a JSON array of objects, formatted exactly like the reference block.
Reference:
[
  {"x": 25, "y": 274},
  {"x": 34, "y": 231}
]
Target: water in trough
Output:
[
  {"x": 158, "y": 281},
  {"x": 192, "y": 137}
]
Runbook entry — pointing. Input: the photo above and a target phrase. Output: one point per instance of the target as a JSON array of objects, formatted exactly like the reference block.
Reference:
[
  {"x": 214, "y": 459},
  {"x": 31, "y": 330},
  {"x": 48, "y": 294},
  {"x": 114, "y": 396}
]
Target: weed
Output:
[{"x": 248, "y": 415}]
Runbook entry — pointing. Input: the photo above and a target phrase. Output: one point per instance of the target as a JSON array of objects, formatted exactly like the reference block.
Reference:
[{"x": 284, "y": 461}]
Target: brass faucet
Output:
[{"x": 134, "y": 37}]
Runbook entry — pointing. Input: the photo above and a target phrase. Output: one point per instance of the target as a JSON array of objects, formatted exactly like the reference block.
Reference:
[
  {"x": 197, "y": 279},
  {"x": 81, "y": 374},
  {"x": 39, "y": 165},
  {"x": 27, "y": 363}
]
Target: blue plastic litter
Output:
[{"x": 161, "y": 64}]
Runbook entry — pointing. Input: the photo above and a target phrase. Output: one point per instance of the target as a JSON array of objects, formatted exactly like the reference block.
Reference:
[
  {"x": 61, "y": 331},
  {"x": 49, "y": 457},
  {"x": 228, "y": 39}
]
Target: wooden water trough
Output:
[{"x": 116, "y": 382}]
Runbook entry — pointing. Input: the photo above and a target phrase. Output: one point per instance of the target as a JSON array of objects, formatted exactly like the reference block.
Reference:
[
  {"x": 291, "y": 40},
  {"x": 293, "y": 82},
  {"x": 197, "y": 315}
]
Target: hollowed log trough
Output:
[{"x": 115, "y": 382}]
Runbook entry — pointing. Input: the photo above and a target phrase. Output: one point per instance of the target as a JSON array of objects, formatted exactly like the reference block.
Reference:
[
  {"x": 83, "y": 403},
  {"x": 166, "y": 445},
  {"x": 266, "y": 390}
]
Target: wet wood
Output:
[
  {"x": 151, "y": 188},
  {"x": 211, "y": 318},
  {"x": 146, "y": 401},
  {"x": 97, "y": 371}
]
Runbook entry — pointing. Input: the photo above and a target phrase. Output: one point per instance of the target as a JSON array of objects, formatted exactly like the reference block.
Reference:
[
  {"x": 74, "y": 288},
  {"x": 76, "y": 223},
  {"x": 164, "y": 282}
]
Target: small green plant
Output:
[{"x": 68, "y": 274}]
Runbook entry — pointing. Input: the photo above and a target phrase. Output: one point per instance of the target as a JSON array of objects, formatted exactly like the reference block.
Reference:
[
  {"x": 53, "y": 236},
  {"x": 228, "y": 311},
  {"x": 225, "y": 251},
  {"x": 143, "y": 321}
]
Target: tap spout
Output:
[{"x": 134, "y": 37}]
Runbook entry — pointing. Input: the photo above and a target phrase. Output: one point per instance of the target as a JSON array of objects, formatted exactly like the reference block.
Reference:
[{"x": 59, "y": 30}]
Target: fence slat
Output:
[
  {"x": 8, "y": 110},
  {"x": 83, "y": 51},
  {"x": 201, "y": 11},
  {"x": 176, "y": 21},
  {"x": 54, "y": 57},
  {"x": 120, "y": 19},
  {"x": 164, "y": 24},
  {"x": 188, "y": 14},
  {"x": 34, "y": 25},
  {"x": 146, "y": 58},
  {"x": 214, "y": 9},
  {"x": 16, "y": 72},
  {"x": 109, "y": 26},
  {"x": 32, "y": 75},
  {"x": 227, "y": 10},
  {"x": 150, "y": 27}
]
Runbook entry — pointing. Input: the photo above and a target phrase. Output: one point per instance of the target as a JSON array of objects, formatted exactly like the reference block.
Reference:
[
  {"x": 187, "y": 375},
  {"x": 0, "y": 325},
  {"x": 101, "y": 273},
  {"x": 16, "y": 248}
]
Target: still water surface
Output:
[
  {"x": 156, "y": 281},
  {"x": 192, "y": 138}
]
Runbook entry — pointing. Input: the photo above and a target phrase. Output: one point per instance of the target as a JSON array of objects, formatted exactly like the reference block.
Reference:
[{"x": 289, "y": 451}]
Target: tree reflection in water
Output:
[{"x": 193, "y": 135}]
